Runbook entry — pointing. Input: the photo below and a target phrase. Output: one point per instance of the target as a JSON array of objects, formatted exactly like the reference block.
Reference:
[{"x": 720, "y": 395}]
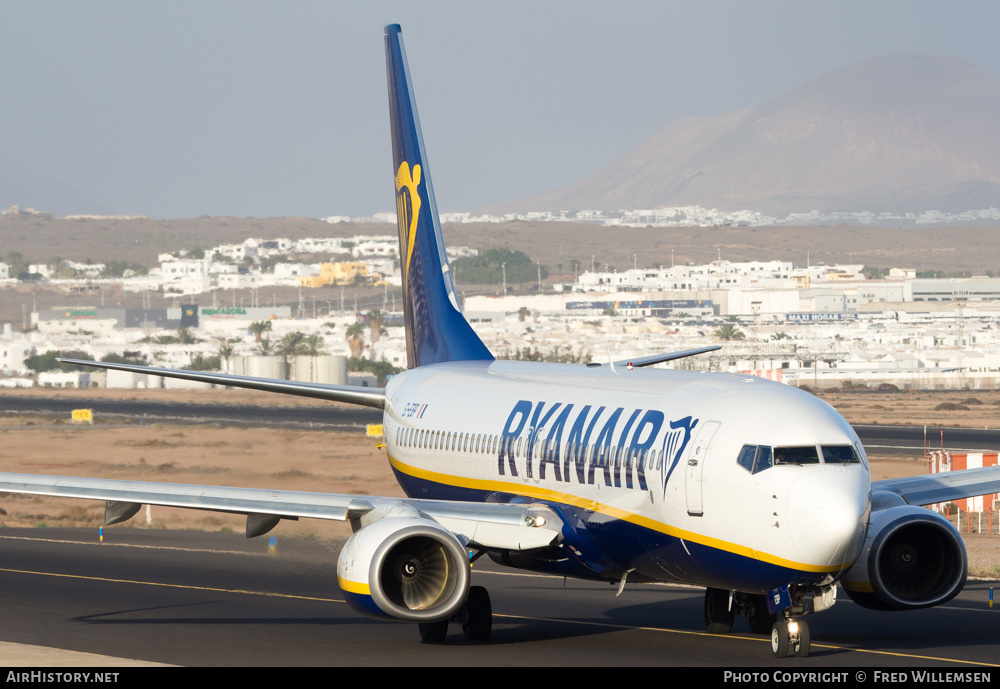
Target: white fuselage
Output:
[{"x": 643, "y": 461}]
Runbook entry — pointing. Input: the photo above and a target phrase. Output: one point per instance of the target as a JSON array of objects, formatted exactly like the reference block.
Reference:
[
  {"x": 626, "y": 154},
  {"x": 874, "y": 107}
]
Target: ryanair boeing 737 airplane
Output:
[{"x": 616, "y": 472}]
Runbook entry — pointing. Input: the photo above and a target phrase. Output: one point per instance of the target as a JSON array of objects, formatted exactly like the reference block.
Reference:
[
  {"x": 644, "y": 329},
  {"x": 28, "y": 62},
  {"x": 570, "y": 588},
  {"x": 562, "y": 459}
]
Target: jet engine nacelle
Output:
[
  {"x": 404, "y": 568},
  {"x": 913, "y": 558}
]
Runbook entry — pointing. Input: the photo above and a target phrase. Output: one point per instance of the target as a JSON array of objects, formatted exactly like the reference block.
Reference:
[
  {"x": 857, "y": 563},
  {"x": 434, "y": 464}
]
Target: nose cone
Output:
[{"x": 826, "y": 515}]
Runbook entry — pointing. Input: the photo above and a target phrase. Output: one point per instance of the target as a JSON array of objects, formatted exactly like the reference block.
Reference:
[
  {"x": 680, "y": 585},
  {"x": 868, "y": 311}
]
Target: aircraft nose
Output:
[{"x": 826, "y": 510}]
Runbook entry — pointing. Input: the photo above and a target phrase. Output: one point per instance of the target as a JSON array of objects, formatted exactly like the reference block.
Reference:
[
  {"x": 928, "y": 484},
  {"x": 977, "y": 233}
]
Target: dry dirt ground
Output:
[
  {"x": 952, "y": 408},
  {"x": 556, "y": 245},
  {"x": 975, "y": 248},
  {"x": 335, "y": 461}
]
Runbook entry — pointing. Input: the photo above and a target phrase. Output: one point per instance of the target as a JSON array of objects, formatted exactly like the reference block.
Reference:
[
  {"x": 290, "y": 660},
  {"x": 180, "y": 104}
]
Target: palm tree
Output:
[
  {"x": 258, "y": 328},
  {"x": 355, "y": 339},
  {"x": 375, "y": 322},
  {"x": 290, "y": 345},
  {"x": 226, "y": 352},
  {"x": 523, "y": 313},
  {"x": 728, "y": 332},
  {"x": 313, "y": 345}
]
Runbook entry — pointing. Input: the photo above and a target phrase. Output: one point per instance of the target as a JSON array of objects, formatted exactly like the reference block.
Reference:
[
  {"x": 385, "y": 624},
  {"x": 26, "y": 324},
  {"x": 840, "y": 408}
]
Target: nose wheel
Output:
[{"x": 790, "y": 636}]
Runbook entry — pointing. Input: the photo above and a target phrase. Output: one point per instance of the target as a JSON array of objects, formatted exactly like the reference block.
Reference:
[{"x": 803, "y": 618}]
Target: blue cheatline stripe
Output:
[{"x": 364, "y": 605}]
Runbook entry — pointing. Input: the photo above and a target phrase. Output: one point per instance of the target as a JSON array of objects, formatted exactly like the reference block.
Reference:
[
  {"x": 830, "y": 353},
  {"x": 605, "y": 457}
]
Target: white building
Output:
[
  {"x": 185, "y": 276},
  {"x": 13, "y": 351}
]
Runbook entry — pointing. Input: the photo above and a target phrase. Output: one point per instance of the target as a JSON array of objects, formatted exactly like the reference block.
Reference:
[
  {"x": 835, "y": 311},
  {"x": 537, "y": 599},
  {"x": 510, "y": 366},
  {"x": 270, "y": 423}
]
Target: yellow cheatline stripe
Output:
[
  {"x": 540, "y": 493},
  {"x": 170, "y": 586},
  {"x": 354, "y": 586},
  {"x": 857, "y": 586}
]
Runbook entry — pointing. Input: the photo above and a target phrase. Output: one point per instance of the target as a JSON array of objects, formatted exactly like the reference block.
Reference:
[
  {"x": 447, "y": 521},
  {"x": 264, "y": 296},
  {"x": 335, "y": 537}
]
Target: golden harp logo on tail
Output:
[{"x": 407, "y": 212}]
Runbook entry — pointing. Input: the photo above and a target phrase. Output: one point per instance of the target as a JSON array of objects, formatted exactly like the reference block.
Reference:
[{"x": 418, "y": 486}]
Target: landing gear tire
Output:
[
  {"x": 779, "y": 639},
  {"x": 477, "y": 616},
  {"x": 804, "y": 642},
  {"x": 785, "y": 642},
  {"x": 761, "y": 621},
  {"x": 433, "y": 632},
  {"x": 718, "y": 614}
]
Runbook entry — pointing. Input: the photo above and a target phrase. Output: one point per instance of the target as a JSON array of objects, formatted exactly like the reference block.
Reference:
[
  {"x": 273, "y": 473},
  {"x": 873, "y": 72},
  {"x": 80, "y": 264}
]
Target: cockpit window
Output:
[
  {"x": 747, "y": 455},
  {"x": 840, "y": 454},
  {"x": 763, "y": 459},
  {"x": 755, "y": 458},
  {"x": 796, "y": 455}
]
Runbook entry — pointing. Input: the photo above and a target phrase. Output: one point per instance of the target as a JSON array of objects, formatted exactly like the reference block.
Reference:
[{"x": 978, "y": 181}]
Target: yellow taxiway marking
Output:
[
  {"x": 741, "y": 638},
  {"x": 606, "y": 625},
  {"x": 171, "y": 586},
  {"x": 108, "y": 544}
]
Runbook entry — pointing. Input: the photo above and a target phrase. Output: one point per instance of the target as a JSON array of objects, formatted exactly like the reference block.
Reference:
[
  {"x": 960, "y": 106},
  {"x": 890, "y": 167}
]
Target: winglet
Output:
[{"x": 436, "y": 330}]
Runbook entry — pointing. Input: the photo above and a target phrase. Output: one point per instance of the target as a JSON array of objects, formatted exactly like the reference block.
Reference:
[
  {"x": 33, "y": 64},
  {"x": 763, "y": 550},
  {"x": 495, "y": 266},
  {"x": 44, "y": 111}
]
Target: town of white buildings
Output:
[
  {"x": 814, "y": 325},
  {"x": 696, "y": 216}
]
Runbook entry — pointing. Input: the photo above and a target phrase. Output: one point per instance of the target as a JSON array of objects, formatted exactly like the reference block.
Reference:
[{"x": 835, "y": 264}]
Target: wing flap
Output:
[{"x": 943, "y": 487}]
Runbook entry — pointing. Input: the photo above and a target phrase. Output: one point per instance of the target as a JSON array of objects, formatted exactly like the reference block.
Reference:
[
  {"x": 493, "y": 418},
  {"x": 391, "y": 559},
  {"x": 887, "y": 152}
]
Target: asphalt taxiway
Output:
[
  {"x": 192, "y": 598},
  {"x": 210, "y": 599}
]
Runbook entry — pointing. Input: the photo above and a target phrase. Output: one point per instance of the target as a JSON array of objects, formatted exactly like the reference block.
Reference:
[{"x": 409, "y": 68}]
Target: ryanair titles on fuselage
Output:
[{"x": 583, "y": 444}]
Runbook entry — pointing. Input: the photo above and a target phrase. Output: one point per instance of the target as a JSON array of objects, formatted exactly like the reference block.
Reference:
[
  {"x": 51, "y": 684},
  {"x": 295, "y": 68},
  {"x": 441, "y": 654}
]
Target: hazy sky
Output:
[{"x": 179, "y": 109}]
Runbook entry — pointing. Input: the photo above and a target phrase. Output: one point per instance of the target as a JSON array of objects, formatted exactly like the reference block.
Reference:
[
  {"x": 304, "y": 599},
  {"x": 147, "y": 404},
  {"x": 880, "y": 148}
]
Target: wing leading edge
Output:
[
  {"x": 367, "y": 397},
  {"x": 486, "y": 525},
  {"x": 943, "y": 487}
]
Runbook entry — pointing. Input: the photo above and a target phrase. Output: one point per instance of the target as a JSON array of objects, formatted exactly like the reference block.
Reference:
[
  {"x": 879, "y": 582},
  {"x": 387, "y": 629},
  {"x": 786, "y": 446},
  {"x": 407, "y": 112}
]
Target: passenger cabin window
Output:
[
  {"x": 796, "y": 455},
  {"x": 840, "y": 454}
]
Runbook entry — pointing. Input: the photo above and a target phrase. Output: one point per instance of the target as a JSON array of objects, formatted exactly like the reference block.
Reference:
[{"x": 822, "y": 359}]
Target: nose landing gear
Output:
[
  {"x": 789, "y": 631},
  {"x": 790, "y": 636}
]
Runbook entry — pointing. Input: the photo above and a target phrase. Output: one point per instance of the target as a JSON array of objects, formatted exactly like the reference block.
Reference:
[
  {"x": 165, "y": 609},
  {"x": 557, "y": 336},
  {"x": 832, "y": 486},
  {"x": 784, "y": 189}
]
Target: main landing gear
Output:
[
  {"x": 721, "y": 608},
  {"x": 475, "y": 617}
]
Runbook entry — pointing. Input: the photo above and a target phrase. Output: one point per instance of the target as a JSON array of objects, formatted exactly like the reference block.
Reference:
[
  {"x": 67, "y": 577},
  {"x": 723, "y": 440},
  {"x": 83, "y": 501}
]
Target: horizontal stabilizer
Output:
[
  {"x": 351, "y": 394},
  {"x": 665, "y": 356}
]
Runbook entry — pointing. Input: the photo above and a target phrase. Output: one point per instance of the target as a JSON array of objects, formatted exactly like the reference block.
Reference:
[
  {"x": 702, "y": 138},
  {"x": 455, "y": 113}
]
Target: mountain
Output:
[
  {"x": 898, "y": 133},
  {"x": 26, "y": 190}
]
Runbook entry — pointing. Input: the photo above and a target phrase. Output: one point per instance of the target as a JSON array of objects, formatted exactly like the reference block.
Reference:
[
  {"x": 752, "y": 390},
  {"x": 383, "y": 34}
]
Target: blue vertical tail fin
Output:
[{"x": 436, "y": 330}]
